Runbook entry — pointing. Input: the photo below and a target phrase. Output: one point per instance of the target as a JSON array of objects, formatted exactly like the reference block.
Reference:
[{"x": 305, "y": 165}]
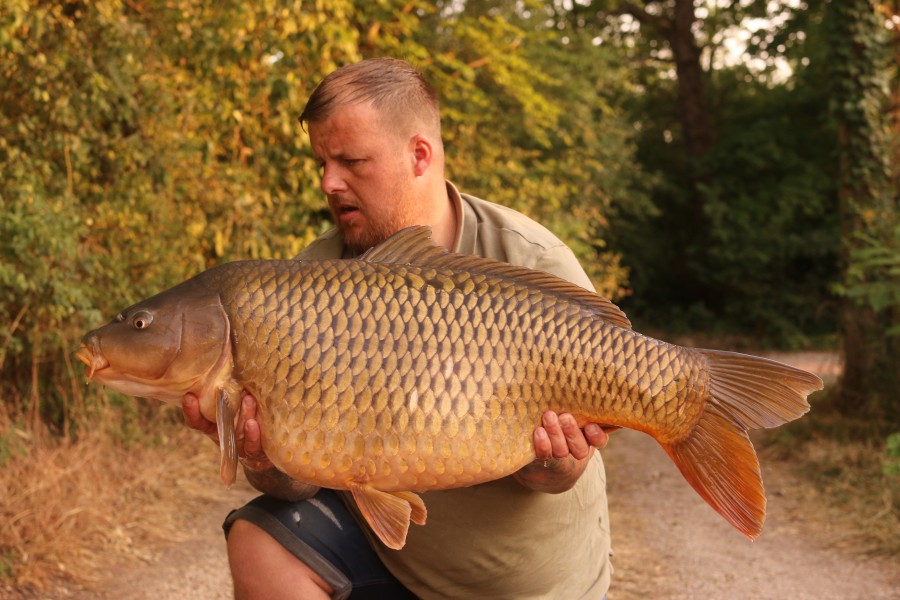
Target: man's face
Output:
[{"x": 367, "y": 175}]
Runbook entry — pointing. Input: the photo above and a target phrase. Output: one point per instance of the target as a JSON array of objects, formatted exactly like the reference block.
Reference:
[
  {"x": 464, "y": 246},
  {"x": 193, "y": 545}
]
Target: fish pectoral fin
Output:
[
  {"x": 389, "y": 513},
  {"x": 227, "y": 438}
]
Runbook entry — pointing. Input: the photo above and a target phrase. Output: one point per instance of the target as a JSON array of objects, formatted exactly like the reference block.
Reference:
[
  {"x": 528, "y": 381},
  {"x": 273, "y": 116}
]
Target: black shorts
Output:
[{"x": 323, "y": 534}]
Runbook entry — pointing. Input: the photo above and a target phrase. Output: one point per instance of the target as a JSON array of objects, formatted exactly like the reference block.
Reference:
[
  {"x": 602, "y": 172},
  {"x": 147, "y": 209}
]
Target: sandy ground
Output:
[{"x": 668, "y": 544}]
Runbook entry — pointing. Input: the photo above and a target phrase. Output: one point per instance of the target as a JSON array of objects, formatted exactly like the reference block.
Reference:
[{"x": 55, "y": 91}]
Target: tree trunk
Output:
[
  {"x": 868, "y": 387},
  {"x": 693, "y": 108}
]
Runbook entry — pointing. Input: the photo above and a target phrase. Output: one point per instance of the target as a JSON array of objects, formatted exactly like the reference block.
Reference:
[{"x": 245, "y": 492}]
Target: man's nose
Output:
[{"x": 332, "y": 181}]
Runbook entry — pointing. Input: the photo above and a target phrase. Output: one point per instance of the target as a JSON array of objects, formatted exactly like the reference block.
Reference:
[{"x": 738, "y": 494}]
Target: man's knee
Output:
[{"x": 262, "y": 568}]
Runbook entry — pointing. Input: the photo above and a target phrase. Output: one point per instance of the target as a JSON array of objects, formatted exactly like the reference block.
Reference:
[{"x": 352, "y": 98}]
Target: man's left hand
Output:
[{"x": 563, "y": 452}]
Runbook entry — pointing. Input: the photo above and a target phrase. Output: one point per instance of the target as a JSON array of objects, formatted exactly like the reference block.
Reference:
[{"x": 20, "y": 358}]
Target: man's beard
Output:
[
  {"x": 377, "y": 230},
  {"x": 361, "y": 239}
]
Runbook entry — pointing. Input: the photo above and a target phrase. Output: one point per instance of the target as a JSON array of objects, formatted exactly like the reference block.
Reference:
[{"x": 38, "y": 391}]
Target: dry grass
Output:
[
  {"x": 69, "y": 509},
  {"x": 846, "y": 468}
]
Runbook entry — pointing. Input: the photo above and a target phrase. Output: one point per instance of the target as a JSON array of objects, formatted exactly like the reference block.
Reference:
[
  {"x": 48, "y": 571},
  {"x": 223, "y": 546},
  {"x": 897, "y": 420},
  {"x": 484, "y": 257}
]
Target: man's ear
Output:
[{"x": 422, "y": 154}]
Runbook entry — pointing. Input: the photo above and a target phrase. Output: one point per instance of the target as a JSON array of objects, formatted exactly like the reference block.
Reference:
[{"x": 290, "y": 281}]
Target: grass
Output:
[
  {"x": 69, "y": 509},
  {"x": 850, "y": 468}
]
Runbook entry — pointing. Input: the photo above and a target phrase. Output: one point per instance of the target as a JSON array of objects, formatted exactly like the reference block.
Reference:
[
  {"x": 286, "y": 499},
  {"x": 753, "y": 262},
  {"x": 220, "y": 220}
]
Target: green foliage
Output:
[
  {"x": 868, "y": 201},
  {"x": 892, "y": 455},
  {"x": 746, "y": 239},
  {"x": 772, "y": 240},
  {"x": 873, "y": 273},
  {"x": 138, "y": 145},
  {"x": 13, "y": 445},
  {"x": 530, "y": 122},
  {"x": 142, "y": 142},
  {"x": 869, "y": 216}
]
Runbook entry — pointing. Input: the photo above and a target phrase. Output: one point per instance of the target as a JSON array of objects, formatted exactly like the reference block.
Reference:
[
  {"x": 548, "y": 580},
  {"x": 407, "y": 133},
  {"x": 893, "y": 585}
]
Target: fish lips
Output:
[{"x": 92, "y": 357}]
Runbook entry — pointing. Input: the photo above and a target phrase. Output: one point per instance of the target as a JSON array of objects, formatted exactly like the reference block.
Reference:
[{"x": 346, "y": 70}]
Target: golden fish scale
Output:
[{"x": 416, "y": 378}]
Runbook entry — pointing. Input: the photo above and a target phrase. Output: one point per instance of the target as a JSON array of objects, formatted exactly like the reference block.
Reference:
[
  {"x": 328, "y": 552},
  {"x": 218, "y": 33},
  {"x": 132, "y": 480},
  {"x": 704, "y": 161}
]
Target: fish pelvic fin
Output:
[
  {"x": 227, "y": 438},
  {"x": 389, "y": 513},
  {"x": 717, "y": 457}
]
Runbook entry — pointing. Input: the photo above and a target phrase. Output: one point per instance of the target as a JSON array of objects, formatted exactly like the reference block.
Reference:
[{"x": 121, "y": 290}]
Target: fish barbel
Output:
[{"x": 414, "y": 369}]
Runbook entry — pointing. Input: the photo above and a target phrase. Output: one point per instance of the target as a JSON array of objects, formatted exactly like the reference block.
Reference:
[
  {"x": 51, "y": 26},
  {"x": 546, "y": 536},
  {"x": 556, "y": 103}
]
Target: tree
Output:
[
  {"x": 870, "y": 227},
  {"x": 744, "y": 234},
  {"x": 144, "y": 141}
]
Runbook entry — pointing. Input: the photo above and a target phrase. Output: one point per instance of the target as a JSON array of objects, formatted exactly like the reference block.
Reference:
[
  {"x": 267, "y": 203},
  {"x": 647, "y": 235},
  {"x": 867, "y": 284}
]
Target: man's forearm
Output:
[
  {"x": 552, "y": 476},
  {"x": 273, "y": 482}
]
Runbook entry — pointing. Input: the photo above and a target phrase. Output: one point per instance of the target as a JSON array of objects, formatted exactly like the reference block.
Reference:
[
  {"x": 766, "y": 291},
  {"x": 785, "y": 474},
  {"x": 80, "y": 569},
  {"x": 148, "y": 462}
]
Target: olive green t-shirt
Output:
[{"x": 499, "y": 539}]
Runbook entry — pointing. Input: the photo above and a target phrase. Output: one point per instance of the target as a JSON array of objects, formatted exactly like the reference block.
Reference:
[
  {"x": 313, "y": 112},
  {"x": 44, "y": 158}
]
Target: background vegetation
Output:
[{"x": 721, "y": 167}]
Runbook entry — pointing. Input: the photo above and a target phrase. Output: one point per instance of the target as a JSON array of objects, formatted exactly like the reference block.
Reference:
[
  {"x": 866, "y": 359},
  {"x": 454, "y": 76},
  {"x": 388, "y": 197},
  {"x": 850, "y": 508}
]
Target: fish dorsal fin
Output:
[
  {"x": 410, "y": 246},
  {"x": 414, "y": 246}
]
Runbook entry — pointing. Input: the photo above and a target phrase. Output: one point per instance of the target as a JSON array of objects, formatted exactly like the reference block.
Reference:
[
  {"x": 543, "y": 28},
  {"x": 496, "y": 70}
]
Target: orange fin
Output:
[
  {"x": 758, "y": 392},
  {"x": 719, "y": 462},
  {"x": 227, "y": 439},
  {"x": 418, "y": 507},
  {"x": 389, "y": 513},
  {"x": 717, "y": 458}
]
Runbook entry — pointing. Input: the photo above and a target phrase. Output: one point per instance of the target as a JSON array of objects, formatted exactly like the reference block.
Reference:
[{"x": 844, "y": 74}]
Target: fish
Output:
[{"x": 412, "y": 368}]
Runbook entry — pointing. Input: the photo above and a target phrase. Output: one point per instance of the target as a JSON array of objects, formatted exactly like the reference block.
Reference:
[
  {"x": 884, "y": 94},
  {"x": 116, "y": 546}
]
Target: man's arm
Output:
[{"x": 258, "y": 469}]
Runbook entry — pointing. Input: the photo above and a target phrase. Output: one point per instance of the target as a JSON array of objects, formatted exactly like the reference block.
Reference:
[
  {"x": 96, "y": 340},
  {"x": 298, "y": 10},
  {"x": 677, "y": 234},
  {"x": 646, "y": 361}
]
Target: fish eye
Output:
[{"x": 141, "y": 320}]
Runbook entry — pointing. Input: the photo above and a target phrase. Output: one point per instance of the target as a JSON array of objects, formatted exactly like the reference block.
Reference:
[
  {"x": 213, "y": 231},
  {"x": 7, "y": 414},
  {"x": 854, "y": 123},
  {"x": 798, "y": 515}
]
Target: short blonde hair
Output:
[{"x": 395, "y": 89}]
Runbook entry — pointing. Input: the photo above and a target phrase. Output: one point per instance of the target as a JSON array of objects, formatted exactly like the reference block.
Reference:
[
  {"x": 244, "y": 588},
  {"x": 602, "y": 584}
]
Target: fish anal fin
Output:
[
  {"x": 227, "y": 438},
  {"x": 719, "y": 462},
  {"x": 419, "y": 513},
  {"x": 388, "y": 513}
]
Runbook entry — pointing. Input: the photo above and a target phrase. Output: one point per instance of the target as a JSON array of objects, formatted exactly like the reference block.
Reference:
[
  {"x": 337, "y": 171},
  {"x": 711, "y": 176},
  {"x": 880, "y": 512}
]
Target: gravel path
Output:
[
  {"x": 195, "y": 568},
  {"x": 668, "y": 543}
]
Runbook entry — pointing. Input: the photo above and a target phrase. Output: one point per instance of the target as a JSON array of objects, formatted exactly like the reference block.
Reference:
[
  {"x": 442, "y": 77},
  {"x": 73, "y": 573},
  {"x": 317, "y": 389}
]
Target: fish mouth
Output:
[{"x": 94, "y": 360}]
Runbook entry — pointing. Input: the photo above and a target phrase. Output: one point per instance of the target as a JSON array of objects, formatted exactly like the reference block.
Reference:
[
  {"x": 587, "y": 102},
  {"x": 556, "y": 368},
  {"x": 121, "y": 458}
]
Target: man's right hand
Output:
[
  {"x": 247, "y": 432},
  {"x": 258, "y": 469}
]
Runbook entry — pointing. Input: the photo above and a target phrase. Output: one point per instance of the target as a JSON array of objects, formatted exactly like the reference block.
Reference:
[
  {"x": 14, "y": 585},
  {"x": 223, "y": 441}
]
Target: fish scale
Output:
[
  {"x": 402, "y": 334},
  {"x": 414, "y": 369}
]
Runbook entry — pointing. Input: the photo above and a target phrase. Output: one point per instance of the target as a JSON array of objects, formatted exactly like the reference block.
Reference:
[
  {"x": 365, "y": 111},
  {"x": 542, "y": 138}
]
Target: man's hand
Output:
[
  {"x": 249, "y": 439},
  {"x": 562, "y": 452},
  {"x": 258, "y": 469}
]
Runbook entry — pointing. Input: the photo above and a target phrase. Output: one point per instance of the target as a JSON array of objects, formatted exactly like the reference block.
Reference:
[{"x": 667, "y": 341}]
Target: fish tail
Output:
[{"x": 717, "y": 457}]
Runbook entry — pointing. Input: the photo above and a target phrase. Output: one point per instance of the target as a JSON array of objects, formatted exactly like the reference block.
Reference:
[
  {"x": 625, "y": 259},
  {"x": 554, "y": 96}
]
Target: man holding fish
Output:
[{"x": 542, "y": 532}]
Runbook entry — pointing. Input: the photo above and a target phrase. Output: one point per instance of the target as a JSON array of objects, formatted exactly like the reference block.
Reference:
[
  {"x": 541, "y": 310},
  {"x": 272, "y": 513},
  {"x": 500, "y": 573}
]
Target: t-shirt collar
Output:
[{"x": 466, "y": 222}]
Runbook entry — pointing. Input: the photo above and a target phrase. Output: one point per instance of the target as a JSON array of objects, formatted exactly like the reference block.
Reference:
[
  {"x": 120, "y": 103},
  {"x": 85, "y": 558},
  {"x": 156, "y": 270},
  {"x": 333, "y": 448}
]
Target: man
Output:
[{"x": 543, "y": 532}]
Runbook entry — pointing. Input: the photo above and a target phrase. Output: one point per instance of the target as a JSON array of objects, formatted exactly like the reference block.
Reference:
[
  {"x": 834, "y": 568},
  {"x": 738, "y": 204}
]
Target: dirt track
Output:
[{"x": 668, "y": 544}]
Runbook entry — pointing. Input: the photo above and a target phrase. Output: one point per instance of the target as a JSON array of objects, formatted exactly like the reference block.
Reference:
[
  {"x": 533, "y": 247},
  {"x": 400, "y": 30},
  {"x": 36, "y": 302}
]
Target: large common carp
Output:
[{"x": 413, "y": 369}]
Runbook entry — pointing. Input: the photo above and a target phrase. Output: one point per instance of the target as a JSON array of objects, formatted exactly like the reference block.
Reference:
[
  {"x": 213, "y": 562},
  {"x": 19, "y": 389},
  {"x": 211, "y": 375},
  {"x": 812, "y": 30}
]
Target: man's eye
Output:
[{"x": 352, "y": 162}]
